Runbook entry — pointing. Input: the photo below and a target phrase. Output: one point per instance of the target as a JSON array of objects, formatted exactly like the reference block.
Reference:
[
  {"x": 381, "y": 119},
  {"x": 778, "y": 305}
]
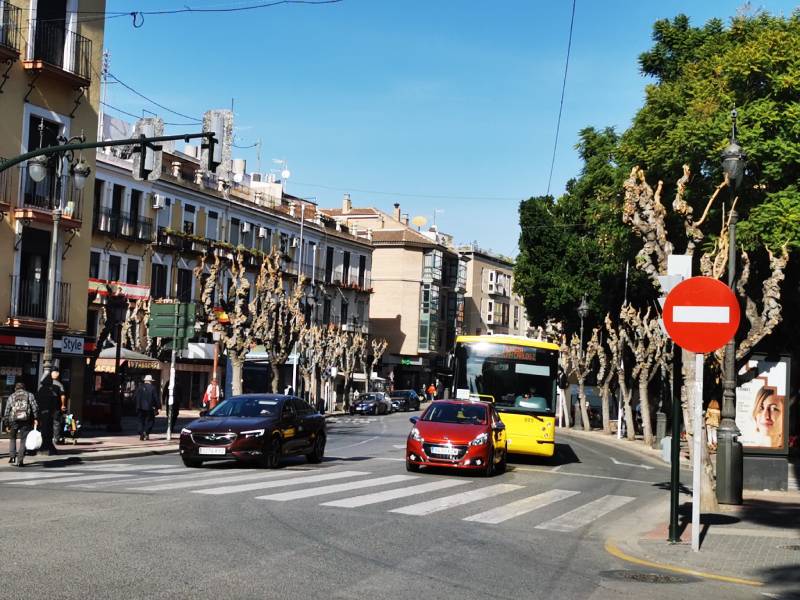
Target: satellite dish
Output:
[
  {"x": 419, "y": 221},
  {"x": 286, "y": 173}
]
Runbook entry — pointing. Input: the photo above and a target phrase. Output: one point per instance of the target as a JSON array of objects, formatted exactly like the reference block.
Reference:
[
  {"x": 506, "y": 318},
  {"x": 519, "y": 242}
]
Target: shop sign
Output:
[{"x": 72, "y": 345}]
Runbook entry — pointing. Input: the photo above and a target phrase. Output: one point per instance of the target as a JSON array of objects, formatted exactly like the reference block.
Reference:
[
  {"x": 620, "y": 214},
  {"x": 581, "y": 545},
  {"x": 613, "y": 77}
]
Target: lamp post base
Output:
[{"x": 729, "y": 467}]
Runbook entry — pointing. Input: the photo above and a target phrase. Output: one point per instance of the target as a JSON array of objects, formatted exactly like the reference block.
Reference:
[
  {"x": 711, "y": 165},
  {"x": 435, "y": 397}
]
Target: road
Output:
[{"x": 356, "y": 526}]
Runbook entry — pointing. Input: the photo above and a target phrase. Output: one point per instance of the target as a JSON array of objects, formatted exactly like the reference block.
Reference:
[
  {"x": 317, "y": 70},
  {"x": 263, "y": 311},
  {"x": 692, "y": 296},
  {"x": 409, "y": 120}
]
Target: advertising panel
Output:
[{"x": 762, "y": 408}]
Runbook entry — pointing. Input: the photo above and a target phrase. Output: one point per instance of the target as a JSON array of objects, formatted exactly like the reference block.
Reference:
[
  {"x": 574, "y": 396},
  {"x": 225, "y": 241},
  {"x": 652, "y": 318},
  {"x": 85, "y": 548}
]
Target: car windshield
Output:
[
  {"x": 369, "y": 398},
  {"x": 402, "y": 394},
  {"x": 247, "y": 406},
  {"x": 471, "y": 414}
]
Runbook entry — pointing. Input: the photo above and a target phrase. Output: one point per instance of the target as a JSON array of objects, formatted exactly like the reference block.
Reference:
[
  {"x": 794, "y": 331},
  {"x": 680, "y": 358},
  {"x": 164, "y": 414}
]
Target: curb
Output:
[
  {"x": 635, "y": 448},
  {"x": 94, "y": 456},
  {"x": 612, "y": 548}
]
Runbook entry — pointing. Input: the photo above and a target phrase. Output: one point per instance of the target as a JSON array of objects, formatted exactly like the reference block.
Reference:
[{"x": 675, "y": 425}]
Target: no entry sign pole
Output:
[{"x": 701, "y": 315}]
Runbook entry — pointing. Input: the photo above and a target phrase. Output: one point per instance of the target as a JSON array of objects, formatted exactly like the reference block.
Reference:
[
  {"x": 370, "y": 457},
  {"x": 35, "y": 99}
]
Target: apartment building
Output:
[
  {"x": 49, "y": 60},
  {"x": 419, "y": 281},
  {"x": 149, "y": 236},
  {"x": 490, "y": 304}
]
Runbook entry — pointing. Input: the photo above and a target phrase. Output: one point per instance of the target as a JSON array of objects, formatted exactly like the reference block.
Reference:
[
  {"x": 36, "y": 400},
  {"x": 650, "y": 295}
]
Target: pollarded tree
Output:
[
  {"x": 617, "y": 345},
  {"x": 310, "y": 348},
  {"x": 606, "y": 372},
  {"x": 355, "y": 347},
  {"x": 580, "y": 364}
]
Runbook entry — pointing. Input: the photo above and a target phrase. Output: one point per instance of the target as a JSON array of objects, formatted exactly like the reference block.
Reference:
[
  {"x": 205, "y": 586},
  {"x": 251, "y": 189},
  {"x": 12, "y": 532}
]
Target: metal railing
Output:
[
  {"x": 57, "y": 46},
  {"x": 42, "y": 195},
  {"x": 123, "y": 224},
  {"x": 9, "y": 25},
  {"x": 29, "y": 299},
  {"x": 5, "y": 186}
]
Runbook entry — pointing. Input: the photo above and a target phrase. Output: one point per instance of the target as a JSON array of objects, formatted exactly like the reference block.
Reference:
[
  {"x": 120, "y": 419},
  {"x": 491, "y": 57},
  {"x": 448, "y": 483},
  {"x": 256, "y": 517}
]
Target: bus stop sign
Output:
[{"x": 701, "y": 314}]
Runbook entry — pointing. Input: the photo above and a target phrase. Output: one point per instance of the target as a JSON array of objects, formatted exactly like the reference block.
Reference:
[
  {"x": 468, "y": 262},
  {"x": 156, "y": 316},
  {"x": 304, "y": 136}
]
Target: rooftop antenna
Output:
[
  {"x": 436, "y": 211},
  {"x": 104, "y": 84}
]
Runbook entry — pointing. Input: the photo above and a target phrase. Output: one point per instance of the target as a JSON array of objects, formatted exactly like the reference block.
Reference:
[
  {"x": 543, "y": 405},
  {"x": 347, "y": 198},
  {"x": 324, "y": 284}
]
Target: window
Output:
[
  {"x": 163, "y": 215},
  {"x": 94, "y": 265},
  {"x": 346, "y": 267},
  {"x": 326, "y": 311},
  {"x": 114, "y": 268},
  {"x": 489, "y": 311},
  {"x": 212, "y": 225},
  {"x": 284, "y": 243},
  {"x": 99, "y": 186},
  {"x": 158, "y": 281},
  {"x": 188, "y": 219},
  {"x": 362, "y": 270},
  {"x": 344, "y": 311},
  {"x": 236, "y": 230},
  {"x": 247, "y": 236},
  {"x": 132, "y": 271},
  {"x": 516, "y": 317},
  {"x": 185, "y": 284},
  {"x": 329, "y": 265}
]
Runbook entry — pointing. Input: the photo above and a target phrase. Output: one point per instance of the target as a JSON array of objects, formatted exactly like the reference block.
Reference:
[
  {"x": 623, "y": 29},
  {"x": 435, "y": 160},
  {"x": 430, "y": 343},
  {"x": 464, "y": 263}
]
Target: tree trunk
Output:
[
  {"x": 582, "y": 400},
  {"x": 346, "y": 390},
  {"x": 644, "y": 404},
  {"x": 604, "y": 396},
  {"x": 237, "y": 369},
  {"x": 276, "y": 378}
]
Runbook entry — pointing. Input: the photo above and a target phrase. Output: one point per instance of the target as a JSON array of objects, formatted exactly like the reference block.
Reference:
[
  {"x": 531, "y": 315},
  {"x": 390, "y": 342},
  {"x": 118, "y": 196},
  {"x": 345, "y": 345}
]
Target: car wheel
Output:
[
  {"x": 192, "y": 463},
  {"x": 318, "y": 451},
  {"x": 411, "y": 467},
  {"x": 272, "y": 455},
  {"x": 501, "y": 466},
  {"x": 488, "y": 471}
]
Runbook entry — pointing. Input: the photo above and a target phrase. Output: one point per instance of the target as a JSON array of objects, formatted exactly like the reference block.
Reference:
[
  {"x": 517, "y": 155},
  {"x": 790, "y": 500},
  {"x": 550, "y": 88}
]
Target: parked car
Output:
[
  {"x": 405, "y": 400},
  {"x": 261, "y": 428},
  {"x": 458, "y": 434},
  {"x": 374, "y": 403}
]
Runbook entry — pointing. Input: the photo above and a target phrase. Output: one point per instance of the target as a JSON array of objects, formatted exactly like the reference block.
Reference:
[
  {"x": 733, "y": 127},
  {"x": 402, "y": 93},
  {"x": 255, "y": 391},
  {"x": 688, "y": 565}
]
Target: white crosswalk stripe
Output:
[
  {"x": 260, "y": 485},
  {"x": 336, "y": 488},
  {"x": 204, "y": 480},
  {"x": 12, "y": 476},
  {"x": 585, "y": 514},
  {"x": 520, "y": 507},
  {"x": 438, "y": 504},
  {"x": 71, "y": 479},
  {"x": 139, "y": 480},
  {"x": 104, "y": 466},
  {"x": 378, "y": 497}
]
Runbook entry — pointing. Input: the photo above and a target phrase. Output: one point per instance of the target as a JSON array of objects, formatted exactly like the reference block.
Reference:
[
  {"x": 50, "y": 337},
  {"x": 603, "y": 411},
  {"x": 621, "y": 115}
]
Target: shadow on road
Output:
[{"x": 563, "y": 455}]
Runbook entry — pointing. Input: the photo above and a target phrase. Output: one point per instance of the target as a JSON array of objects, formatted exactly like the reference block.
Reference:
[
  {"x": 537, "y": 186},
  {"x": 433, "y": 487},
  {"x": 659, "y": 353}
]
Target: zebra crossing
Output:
[{"x": 487, "y": 502}]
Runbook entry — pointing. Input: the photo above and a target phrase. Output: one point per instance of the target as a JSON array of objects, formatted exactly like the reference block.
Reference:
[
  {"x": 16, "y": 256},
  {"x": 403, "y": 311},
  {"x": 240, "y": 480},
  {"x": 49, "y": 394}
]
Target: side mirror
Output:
[
  {"x": 414, "y": 420},
  {"x": 498, "y": 426},
  {"x": 203, "y": 413}
]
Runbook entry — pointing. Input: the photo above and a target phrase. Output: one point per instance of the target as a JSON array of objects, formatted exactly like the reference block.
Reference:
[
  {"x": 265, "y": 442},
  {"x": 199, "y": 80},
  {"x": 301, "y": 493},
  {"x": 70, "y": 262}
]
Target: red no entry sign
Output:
[{"x": 701, "y": 314}]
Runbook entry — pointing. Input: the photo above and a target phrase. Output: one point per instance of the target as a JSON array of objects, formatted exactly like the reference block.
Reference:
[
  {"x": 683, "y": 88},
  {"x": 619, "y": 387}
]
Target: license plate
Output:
[
  {"x": 217, "y": 451},
  {"x": 444, "y": 450}
]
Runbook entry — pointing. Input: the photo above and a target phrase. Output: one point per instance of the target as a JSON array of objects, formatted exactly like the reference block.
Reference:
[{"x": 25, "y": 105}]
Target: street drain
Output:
[
  {"x": 646, "y": 576},
  {"x": 794, "y": 547}
]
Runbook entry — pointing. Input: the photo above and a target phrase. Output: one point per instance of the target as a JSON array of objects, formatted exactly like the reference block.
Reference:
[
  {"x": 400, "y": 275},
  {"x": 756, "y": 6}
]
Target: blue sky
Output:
[{"x": 436, "y": 104}]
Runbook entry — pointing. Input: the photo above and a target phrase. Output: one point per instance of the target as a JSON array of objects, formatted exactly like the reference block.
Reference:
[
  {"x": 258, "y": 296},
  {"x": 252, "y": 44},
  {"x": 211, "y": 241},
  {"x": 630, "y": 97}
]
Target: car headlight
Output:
[
  {"x": 480, "y": 440},
  {"x": 415, "y": 435},
  {"x": 186, "y": 431},
  {"x": 254, "y": 433}
]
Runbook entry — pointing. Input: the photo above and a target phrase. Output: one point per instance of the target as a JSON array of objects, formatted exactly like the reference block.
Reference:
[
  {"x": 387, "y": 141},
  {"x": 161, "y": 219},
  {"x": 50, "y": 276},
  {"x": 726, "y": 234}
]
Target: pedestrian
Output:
[
  {"x": 21, "y": 410},
  {"x": 48, "y": 400},
  {"x": 712, "y": 422},
  {"x": 431, "y": 392},
  {"x": 147, "y": 403},
  {"x": 213, "y": 394},
  {"x": 58, "y": 415},
  {"x": 177, "y": 401}
]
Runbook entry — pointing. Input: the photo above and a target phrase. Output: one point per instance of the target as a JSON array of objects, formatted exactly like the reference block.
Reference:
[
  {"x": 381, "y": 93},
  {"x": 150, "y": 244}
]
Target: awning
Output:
[{"x": 106, "y": 365}]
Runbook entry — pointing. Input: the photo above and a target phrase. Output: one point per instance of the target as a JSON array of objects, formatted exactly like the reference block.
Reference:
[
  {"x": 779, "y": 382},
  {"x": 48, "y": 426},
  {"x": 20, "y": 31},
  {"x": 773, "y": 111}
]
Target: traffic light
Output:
[
  {"x": 147, "y": 156},
  {"x": 217, "y": 149}
]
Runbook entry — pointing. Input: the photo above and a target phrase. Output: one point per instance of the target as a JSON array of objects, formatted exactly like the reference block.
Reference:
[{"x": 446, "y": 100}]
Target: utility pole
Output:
[{"x": 171, "y": 401}]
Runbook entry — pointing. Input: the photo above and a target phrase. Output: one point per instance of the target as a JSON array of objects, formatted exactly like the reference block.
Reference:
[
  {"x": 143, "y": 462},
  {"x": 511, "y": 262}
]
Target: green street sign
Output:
[{"x": 172, "y": 320}]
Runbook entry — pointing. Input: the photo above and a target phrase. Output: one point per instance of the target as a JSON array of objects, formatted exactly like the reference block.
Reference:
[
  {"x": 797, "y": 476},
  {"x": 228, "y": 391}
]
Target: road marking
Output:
[
  {"x": 566, "y": 474},
  {"x": 126, "y": 467},
  {"x": 356, "y": 444},
  {"x": 701, "y": 314},
  {"x": 624, "y": 464},
  {"x": 432, "y": 506},
  {"x": 206, "y": 479},
  {"x": 399, "y": 446},
  {"x": 339, "y": 487},
  {"x": 166, "y": 471},
  {"x": 520, "y": 507},
  {"x": 377, "y": 497},
  {"x": 260, "y": 485},
  {"x": 137, "y": 480},
  {"x": 583, "y": 515},
  {"x": 17, "y": 476},
  {"x": 71, "y": 479}
]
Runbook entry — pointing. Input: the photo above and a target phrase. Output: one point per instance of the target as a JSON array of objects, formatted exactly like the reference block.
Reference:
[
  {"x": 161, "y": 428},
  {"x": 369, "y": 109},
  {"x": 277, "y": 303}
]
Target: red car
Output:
[{"x": 458, "y": 434}]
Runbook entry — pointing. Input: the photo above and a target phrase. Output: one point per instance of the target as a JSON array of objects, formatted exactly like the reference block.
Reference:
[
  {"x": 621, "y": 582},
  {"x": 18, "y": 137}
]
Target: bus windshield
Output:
[{"x": 519, "y": 379}]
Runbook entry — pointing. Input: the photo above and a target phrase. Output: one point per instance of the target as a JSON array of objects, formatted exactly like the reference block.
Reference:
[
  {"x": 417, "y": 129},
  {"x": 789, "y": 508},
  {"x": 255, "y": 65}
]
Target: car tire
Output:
[
  {"x": 272, "y": 455},
  {"x": 411, "y": 467},
  {"x": 489, "y": 470},
  {"x": 318, "y": 450},
  {"x": 192, "y": 463},
  {"x": 501, "y": 466}
]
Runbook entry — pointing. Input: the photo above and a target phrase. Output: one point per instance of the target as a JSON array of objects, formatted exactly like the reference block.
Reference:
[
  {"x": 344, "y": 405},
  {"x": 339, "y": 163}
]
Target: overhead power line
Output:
[
  {"x": 405, "y": 195},
  {"x": 151, "y": 101},
  {"x": 130, "y": 114}
]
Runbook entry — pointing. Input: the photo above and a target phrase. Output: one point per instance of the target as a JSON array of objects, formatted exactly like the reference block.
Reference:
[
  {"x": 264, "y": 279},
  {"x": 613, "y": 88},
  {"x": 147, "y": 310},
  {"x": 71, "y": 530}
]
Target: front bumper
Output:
[
  {"x": 365, "y": 410},
  {"x": 240, "y": 449},
  {"x": 530, "y": 446},
  {"x": 473, "y": 457}
]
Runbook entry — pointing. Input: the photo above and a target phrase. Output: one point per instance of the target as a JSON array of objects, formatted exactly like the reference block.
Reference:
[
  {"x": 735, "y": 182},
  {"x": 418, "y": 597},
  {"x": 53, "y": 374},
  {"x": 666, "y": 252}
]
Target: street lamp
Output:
[
  {"x": 729, "y": 449},
  {"x": 38, "y": 168},
  {"x": 583, "y": 310}
]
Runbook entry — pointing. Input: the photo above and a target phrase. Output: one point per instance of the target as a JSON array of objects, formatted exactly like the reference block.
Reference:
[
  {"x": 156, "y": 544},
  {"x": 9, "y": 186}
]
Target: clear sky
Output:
[{"x": 436, "y": 104}]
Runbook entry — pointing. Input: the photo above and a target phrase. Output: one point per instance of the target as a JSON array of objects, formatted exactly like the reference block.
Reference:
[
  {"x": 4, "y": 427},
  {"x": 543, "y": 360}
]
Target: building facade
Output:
[{"x": 50, "y": 91}]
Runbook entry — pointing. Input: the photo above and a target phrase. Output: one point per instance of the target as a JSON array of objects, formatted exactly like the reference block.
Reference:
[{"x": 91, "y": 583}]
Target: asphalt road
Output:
[{"x": 356, "y": 526}]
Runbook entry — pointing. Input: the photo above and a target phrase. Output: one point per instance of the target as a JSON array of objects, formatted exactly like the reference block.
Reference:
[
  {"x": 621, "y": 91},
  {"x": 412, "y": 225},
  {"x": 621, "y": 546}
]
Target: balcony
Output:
[
  {"x": 63, "y": 54},
  {"x": 5, "y": 191},
  {"x": 37, "y": 200},
  {"x": 9, "y": 31},
  {"x": 123, "y": 225},
  {"x": 29, "y": 300}
]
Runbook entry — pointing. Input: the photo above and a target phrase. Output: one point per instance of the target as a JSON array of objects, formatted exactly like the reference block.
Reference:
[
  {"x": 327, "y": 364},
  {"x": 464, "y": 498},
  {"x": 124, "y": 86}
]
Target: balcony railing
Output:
[
  {"x": 123, "y": 224},
  {"x": 42, "y": 195},
  {"x": 29, "y": 299},
  {"x": 66, "y": 50},
  {"x": 5, "y": 186},
  {"x": 9, "y": 26}
]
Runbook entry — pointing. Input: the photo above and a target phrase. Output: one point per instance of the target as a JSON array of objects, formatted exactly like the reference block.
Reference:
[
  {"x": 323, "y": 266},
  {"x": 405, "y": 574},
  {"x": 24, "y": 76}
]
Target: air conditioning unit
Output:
[
  {"x": 158, "y": 201},
  {"x": 295, "y": 242},
  {"x": 262, "y": 232},
  {"x": 245, "y": 227},
  {"x": 491, "y": 287}
]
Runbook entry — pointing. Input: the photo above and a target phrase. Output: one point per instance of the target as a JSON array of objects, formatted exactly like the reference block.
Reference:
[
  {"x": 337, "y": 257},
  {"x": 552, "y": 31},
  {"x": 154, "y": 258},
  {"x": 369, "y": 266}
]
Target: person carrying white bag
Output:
[{"x": 21, "y": 410}]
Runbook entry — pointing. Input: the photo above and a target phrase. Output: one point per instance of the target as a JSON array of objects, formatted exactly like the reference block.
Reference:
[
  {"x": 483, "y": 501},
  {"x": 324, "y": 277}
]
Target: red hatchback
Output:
[{"x": 457, "y": 434}]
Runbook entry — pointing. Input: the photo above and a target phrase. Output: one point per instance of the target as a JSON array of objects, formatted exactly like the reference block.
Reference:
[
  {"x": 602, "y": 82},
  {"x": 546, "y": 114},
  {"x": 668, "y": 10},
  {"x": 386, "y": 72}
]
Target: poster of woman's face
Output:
[{"x": 761, "y": 404}]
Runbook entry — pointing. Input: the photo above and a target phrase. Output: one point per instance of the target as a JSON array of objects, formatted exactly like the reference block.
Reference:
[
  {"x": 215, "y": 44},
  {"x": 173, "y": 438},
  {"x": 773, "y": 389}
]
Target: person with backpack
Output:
[
  {"x": 48, "y": 400},
  {"x": 148, "y": 403},
  {"x": 21, "y": 409}
]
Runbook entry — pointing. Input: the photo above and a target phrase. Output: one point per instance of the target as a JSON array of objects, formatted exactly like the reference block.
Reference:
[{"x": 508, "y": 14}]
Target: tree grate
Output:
[{"x": 646, "y": 576}]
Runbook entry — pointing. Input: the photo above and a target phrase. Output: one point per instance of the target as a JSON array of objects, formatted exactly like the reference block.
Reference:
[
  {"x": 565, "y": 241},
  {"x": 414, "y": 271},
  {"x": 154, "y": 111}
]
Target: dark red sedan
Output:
[
  {"x": 255, "y": 427},
  {"x": 458, "y": 434}
]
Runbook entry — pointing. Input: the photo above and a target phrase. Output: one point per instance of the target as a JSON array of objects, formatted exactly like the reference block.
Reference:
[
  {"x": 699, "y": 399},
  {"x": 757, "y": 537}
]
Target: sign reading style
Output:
[{"x": 72, "y": 345}]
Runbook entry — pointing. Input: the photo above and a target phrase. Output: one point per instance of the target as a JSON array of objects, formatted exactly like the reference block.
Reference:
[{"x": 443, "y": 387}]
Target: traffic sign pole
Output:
[
  {"x": 171, "y": 401},
  {"x": 675, "y": 450},
  {"x": 698, "y": 450}
]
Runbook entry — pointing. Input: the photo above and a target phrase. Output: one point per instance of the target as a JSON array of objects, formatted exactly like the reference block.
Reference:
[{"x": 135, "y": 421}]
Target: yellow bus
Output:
[{"x": 518, "y": 376}]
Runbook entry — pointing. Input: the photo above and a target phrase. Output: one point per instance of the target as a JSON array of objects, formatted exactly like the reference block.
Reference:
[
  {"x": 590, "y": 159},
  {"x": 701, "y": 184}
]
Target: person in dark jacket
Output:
[
  {"x": 48, "y": 398},
  {"x": 21, "y": 410},
  {"x": 147, "y": 402}
]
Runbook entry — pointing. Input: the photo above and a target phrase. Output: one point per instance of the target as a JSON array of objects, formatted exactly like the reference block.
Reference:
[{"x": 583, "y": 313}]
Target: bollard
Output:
[{"x": 729, "y": 478}]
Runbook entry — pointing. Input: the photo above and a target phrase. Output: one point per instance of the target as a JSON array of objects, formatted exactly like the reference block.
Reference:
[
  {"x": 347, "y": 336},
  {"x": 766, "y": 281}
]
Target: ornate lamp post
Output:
[
  {"x": 583, "y": 310},
  {"x": 729, "y": 450}
]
